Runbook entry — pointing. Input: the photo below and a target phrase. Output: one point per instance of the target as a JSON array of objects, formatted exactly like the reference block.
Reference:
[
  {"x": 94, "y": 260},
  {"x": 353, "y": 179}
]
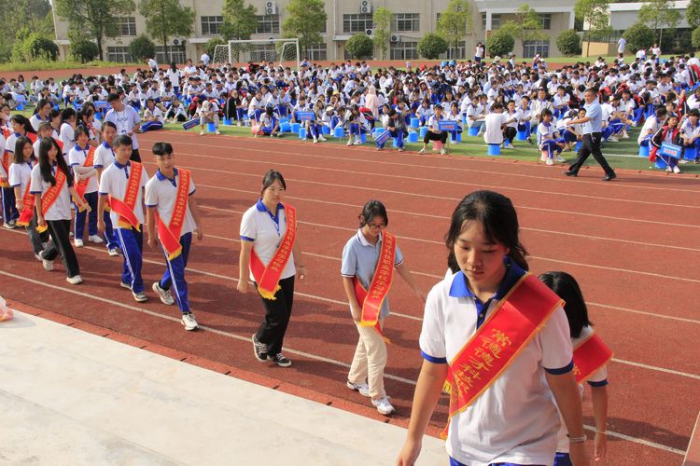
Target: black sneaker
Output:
[
  {"x": 260, "y": 350},
  {"x": 280, "y": 360},
  {"x": 610, "y": 176}
]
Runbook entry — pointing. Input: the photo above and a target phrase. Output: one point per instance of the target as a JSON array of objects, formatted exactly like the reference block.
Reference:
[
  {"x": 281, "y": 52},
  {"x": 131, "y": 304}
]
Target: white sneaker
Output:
[
  {"x": 443, "y": 152},
  {"x": 322, "y": 139},
  {"x": 140, "y": 297},
  {"x": 238, "y": 123},
  {"x": 189, "y": 322},
  {"x": 38, "y": 257},
  {"x": 78, "y": 243},
  {"x": 165, "y": 296},
  {"x": 543, "y": 157},
  {"x": 349, "y": 142},
  {"x": 75, "y": 280},
  {"x": 613, "y": 139},
  {"x": 362, "y": 388},
  {"x": 48, "y": 265},
  {"x": 358, "y": 142},
  {"x": 676, "y": 170},
  {"x": 217, "y": 132},
  {"x": 422, "y": 151},
  {"x": 113, "y": 252},
  {"x": 669, "y": 169},
  {"x": 315, "y": 140},
  {"x": 560, "y": 159},
  {"x": 625, "y": 136},
  {"x": 201, "y": 133},
  {"x": 125, "y": 285},
  {"x": 383, "y": 406},
  {"x": 95, "y": 239},
  {"x": 550, "y": 161}
]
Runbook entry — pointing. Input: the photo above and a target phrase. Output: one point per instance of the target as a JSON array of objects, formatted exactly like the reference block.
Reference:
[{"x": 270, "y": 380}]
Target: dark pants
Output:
[
  {"x": 590, "y": 144},
  {"x": 37, "y": 239},
  {"x": 135, "y": 156},
  {"x": 9, "y": 211},
  {"x": 80, "y": 216},
  {"x": 430, "y": 136},
  {"x": 277, "y": 314},
  {"x": 59, "y": 230},
  {"x": 509, "y": 134}
]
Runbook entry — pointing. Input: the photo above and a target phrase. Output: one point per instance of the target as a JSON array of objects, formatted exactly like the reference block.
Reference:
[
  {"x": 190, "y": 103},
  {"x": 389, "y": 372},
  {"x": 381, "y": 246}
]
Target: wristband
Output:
[{"x": 581, "y": 439}]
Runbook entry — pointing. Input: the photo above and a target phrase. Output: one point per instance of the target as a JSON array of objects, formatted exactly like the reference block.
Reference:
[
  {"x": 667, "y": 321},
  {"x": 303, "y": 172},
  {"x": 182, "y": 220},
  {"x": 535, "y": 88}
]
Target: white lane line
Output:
[
  {"x": 287, "y": 349},
  {"x": 640, "y": 441},
  {"x": 655, "y": 368},
  {"x": 650, "y": 314}
]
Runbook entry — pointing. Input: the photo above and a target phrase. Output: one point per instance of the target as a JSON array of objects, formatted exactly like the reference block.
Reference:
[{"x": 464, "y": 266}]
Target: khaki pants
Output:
[{"x": 369, "y": 361}]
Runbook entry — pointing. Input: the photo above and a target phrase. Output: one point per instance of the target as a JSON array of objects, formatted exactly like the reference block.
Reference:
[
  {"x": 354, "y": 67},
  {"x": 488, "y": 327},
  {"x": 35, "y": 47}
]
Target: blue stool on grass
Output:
[
  {"x": 338, "y": 132},
  {"x": 494, "y": 149},
  {"x": 415, "y": 122},
  {"x": 296, "y": 127},
  {"x": 690, "y": 153},
  {"x": 423, "y": 132},
  {"x": 286, "y": 127},
  {"x": 644, "y": 151},
  {"x": 227, "y": 122},
  {"x": 412, "y": 137},
  {"x": 521, "y": 136},
  {"x": 325, "y": 130},
  {"x": 302, "y": 133},
  {"x": 473, "y": 131},
  {"x": 211, "y": 127}
]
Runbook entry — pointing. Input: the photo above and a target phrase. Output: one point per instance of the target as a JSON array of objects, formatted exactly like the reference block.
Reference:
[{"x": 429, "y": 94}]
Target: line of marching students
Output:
[{"x": 499, "y": 340}]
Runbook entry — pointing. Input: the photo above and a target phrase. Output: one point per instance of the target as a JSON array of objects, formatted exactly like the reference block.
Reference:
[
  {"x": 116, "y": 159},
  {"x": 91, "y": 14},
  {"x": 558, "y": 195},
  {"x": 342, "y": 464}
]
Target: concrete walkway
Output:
[{"x": 68, "y": 397}]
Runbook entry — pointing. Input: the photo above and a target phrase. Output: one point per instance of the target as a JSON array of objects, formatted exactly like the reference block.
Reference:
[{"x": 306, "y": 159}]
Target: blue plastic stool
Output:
[
  {"x": 395, "y": 143},
  {"x": 474, "y": 131},
  {"x": 660, "y": 163},
  {"x": 690, "y": 153},
  {"x": 494, "y": 149},
  {"x": 325, "y": 130},
  {"x": 644, "y": 151},
  {"x": 412, "y": 137},
  {"x": 377, "y": 132},
  {"x": 363, "y": 138},
  {"x": 521, "y": 136},
  {"x": 302, "y": 133},
  {"x": 415, "y": 122},
  {"x": 296, "y": 127},
  {"x": 284, "y": 120},
  {"x": 227, "y": 121},
  {"x": 338, "y": 132},
  {"x": 286, "y": 127},
  {"x": 456, "y": 137},
  {"x": 211, "y": 127},
  {"x": 423, "y": 132}
]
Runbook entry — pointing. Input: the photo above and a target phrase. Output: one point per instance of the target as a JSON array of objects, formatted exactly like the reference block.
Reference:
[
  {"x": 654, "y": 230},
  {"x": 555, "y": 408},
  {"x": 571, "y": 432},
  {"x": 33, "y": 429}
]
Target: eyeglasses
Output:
[{"x": 375, "y": 226}]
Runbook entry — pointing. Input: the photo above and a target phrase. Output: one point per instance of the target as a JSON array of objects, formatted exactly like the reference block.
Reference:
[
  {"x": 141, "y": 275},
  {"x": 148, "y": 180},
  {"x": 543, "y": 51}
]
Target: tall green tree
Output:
[
  {"x": 692, "y": 14},
  {"x": 33, "y": 14},
  {"x": 659, "y": 13},
  {"x": 527, "y": 25},
  {"x": 99, "y": 19},
  {"x": 166, "y": 19},
  {"x": 455, "y": 22},
  {"x": 382, "y": 29},
  {"x": 305, "y": 20},
  {"x": 240, "y": 20},
  {"x": 594, "y": 14}
]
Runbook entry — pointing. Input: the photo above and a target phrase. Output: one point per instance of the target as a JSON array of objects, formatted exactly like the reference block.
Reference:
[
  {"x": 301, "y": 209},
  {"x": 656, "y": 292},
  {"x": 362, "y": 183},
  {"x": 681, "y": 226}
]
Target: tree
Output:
[
  {"x": 32, "y": 46},
  {"x": 33, "y": 14},
  {"x": 527, "y": 25},
  {"x": 692, "y": 14},
  {"x": 165, "y": 19},
  {"x": 430, "y": 46},
  {"x": 382, "y": 29},
  {"x": 695, "y": 39},
  {"x": 455, "y": 22},
  {"x": 83, "y": 50},
  {"x": 210, "y": 46},
  {"x": 500, "y": 43},
  {"x": 595, "y": 15},
  {"x": 240, "y": 20},
  {"x": 659, "y": 13},
  {"x": 360, "y": 46},
  {"x": 639, "y": 36},
  {"x": 569, "y": 42},
  {"x": 142, "y": 48},
  {"x": 305, "y": 20},
  {"x": 98, "y": 18}
]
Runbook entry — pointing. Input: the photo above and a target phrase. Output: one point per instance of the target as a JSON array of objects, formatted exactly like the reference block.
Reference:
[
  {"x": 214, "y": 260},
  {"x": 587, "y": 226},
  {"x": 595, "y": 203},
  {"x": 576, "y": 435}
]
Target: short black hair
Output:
[
  {"x": 112, "y": 97},
  {"x": 162, "y": 148},
  {"x": 123, "y": 140},
  {"x": 270, "y": 177},
  {"x": 568, "y": 289}
]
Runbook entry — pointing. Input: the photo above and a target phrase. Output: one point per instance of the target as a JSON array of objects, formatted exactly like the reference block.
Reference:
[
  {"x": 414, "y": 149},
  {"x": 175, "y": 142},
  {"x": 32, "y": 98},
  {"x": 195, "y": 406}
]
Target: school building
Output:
[{"x": 411, "y": 20}]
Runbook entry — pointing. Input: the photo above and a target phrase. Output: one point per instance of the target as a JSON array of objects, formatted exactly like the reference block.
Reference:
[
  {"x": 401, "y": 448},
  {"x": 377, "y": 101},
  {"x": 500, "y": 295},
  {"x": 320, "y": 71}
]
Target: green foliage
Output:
[
  {"x": 142, "y": 48},
  {"x": 500, "y": 43},
  {"x": 639, "y": 36},
  {"x": 360, "y": 46},
  {"x": 593, "y": 14},
  {"x": 659, "y": 13},
  {"x": 683, "y": 43},
  {"x": 695, "y": 38},
  {"x": 692, "y": 14},
  {"x": 305, "y": 19},
  {"x": 431, "y": 46},
  {"x": 97, "y": 18},
  {"x": 32, "y": 45},
  {"x": 455, "y": 22},
  {"x": 569, "y": 43},
  {"x": 240, "y": 20},
  {"x": 35, "y": 15},
  {"x": 210, "y": 46},
  {"x": 530, "y": 24},
  {"x": 84, "y": 50},
  {"x": 166, "y": 19},
  {"x": 382, "y": 29}
]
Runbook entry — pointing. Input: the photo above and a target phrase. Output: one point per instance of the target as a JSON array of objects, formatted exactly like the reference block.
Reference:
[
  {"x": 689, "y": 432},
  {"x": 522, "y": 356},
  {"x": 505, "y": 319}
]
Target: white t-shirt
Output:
[
  {"x": 76, "y": 157},
  {"x": 161, "y": 193},
  {"x": 493, "y": 133},
  {"x": 60, "y": 209},
  {"x": 20, "y": 174},
  {"x": 104, "y": 156},
  {"x": 125, "y": 122},
  {"x": 266, "y": 233},
  {"x": 67, "y": 137},
  {"x": 515, "y": 420},
  {"x": 114, "y": 183}
]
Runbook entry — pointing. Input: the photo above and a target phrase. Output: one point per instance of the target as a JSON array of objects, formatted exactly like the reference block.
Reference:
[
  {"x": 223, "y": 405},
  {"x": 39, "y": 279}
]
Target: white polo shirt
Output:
[
  {"x": 104, "y": 156},
  {"x": 125, "y": 121},
  {"x": 114, "y": 181},
  {"x": 493, "y": 133},
  {"x": 161, "y": 192},
  {"x": 60, "y": 209},
  {"x": 20, "y": 174},
  {"x": 515, "y": 420},
  {"x": 266, "y": 231},
  {"x": 67, "y": 137},
  {"x": 76, "y": 158}
]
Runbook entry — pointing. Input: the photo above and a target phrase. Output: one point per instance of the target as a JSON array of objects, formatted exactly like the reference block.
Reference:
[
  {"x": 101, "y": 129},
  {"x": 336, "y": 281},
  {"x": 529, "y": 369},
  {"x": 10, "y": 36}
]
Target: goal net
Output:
[{"x": 283, "y": 52}]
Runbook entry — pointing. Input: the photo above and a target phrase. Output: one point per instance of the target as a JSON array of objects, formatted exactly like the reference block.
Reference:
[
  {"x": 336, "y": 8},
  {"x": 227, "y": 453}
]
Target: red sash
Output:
[
  {"x": 82, "y": 184},
  {"x": 5, "y": 160},
  {"x": 589, "y": 356},
  {"x": 50, "y": 196},
  {"x": 28, "y": 211},
  {"x": 268, "y": 277},
  {"x": 371, "y": 300},
  {"x": 518, "y": 318},
  {"x": 125, "y": 208},
  {"x": 170, "y": 234}
]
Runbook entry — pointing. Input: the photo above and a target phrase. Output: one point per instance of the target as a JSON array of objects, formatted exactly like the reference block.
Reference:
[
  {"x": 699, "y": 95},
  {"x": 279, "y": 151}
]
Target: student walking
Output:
[
  {"x": 20, "y": 180},
  {"x": 82, "y": 160},
  {"x": 270, "y": 256},
  {"x": 173, "y": 212}
]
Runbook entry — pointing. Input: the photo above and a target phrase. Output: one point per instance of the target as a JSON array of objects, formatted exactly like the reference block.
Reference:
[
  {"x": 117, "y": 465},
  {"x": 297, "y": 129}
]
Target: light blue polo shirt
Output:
[
  {"x": 595, "y": 113},
  {"x": 360, "y": 259}
]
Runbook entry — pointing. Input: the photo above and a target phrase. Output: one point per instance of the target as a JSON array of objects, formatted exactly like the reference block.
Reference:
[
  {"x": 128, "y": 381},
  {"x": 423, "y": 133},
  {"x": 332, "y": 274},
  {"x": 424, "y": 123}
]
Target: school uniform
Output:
[
  {"x": 266, "y": 230},
  {"x": 9, "y": 211},
  {"x": 161, "y": 194},
  {"x": 113, "y": 183},
  {"x": 359, "y": 260},
  {"x": 156, "y": 123},
  {"x": 20, "y": 176},
  {"x": 104, "y": 157},
  {"x": 547, "y": 140},
  {"x": 493, "y": 133},
  {"x": 125, "y": 121},
  {"x": 36, "y": 121},
  {"x": 58, "y": 218},
  {"x": 434, "y": 134},
  {"x": 515, "y": 420},
  {"x": 76, "y": 157}
]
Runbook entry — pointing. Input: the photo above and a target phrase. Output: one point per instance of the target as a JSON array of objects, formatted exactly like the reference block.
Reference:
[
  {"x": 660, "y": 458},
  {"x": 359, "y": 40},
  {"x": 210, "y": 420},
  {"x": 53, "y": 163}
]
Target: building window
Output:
[
  {"x": 405, "y": 22},
  {"x": 546, "y": 21},
  {"x": 211, "y": 25},
  {"x": 404, "y": 51},
  {"x": 456, "y": 53},
  {"x": 176, "y": 53},
  {"x": 119, "y": 55},
  {"x": 495, "y": 22},
  {"x": 357, "y": 23},
  {"x": 318, "y": 52},
  {"x": 533, "y": 47},
  {"x": 268, "y": 24},
  {"x": 127, "y": 26},
  {"x": 483, "y": 21}
]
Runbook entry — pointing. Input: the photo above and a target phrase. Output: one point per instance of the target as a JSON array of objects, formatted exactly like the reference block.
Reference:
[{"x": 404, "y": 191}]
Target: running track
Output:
[{"x": 634, "y": 245}]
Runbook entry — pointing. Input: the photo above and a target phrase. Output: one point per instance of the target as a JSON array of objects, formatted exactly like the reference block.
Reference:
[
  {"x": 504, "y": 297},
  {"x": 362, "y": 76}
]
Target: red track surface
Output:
[{"x": 633, "y": 244}]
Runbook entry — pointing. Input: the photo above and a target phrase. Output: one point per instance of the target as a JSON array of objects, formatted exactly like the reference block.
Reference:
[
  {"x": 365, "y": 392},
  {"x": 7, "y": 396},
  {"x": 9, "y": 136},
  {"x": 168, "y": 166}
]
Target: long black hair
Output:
[
  {"x": 372, "y": 210},
  {"x": 45, "y": 163},
  {"x": 567, "y": 288},
  {"x": 269, "y": 178},
  {"x": 24, "y": 122},
  {"x": 498, "y": 219},
  {"x": 19, "y": 149}
]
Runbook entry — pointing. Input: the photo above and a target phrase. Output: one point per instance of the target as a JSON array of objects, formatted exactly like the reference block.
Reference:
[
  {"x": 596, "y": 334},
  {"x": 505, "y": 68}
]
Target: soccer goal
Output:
[{"x": 284, "y": 52}]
